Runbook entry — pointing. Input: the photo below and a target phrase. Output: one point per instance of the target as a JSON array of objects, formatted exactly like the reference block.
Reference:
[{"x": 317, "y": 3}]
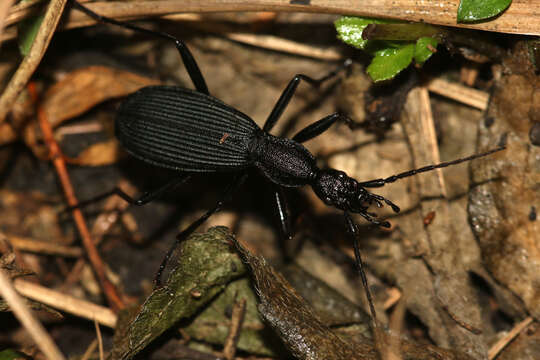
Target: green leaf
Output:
[
  {"x": 392, "y": 44},
  {"x": 475, "y": 10},
  {"x": 424, "y": 49},
  {"x": 350, "y": 29},
  {"x": 28, "y": 29},
  {"x": 388, "y": 62},
  {"x": 10, "y": 354}
]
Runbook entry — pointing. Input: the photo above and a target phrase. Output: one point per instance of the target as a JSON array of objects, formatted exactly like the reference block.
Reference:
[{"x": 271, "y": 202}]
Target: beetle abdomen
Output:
[{"x": 184, "y": 130}]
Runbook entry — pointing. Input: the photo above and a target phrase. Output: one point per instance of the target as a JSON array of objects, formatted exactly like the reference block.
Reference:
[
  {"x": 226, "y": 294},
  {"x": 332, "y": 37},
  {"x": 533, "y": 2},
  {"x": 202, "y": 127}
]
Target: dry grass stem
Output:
[
  {"x": 463, "y": 94},
  {"x": 396, "y": 328},
  {"x": 27, "y": 319},
  {"x": 90, "y": 350},
  {"x": 521, "y": 17},
  {"x": 429, "y": 135},
  {"x": 32, "y": 60},
  {"x": 59, "y": 163},
  {"x": 66, "y": 303},
  {"x": 43, "y": 247},
  {"x": 394, "y": 295},
  {"x": 279, "y": 44},
  {"x": 99, "y": 340},
  {"x": 4, "y": 10},
  {"x": 501, "y": 344},
  {"x": 237, "y": 319}
]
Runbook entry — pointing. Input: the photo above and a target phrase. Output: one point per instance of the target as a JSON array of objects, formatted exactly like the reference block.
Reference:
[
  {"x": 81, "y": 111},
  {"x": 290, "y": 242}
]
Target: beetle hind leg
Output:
[{"x": 227, "y": 194}]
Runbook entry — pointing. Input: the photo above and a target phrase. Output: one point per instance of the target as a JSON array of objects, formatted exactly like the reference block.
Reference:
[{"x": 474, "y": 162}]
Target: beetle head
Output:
[{"x": 339, "y": 190}]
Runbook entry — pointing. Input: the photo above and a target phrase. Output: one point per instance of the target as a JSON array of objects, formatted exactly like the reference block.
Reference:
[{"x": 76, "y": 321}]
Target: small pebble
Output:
[
  {"x": 532, "y": 214},
  {"x": 534, "y": 134}
]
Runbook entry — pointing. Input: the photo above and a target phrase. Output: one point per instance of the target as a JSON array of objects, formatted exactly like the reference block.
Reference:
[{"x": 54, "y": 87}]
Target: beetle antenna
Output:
[{"x": 391, "y": 179}]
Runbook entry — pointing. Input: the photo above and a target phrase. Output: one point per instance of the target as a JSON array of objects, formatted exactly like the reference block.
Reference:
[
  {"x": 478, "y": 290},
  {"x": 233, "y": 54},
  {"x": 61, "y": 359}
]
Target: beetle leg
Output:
[
  {"x": 188, "y": 59},
  {"x": 289, "y": 91},
  {"x": 286, "y": 233},
  {"x": 353, "y": 229},
  {"x": 380, "y": 198},
  {"x": 318, "y": 127},
  {"x": 143, "y": 199},
  {"x": 233, "y": 185}
]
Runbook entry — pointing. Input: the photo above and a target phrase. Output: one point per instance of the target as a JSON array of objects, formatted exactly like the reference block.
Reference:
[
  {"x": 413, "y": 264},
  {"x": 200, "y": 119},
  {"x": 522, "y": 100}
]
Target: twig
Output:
[
  {"x": 99, "y": 339},
  {"x": 279, "y": 44},
  {"x": 501, "y": 344},
  {"x": 521, "y": 17},
  {"x": 392, "y": 351},
  {"x": 32, "y": 60},
  {"x": 27, "y": 319},
  {"x": 463, "y": 94},
  {"x": 459, "y": 321},
  {"x": 4, "y": 10},
  {"x": 237, "y": 319},
  {"x": 66, "y": 303},
  {"x": 428, "y": 127},
  {"x": 90, "y": 350},
  {"x": 74, "y": 274},
  {"x": 469, "y": 74},
  {"x": 21, "y": 11},
  {"x": 79, "y": 129},
  {"x": 43, "y": 247},
  {"x": 394, "y": 295},
  {"x": 269, "y": 42},
  {"x": 101, "y": 226},
  {"x": 112, "y": 209},
  {"x": 109, "y": 289}
]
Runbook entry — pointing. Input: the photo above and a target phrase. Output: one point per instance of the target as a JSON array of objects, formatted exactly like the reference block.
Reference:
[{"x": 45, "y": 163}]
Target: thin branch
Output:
[
  {"x": 66, "y": 303},
  {"x": 427, "y": 125},
  {"x": 521, "y": 17},
  {"x": 463, "y": 94},
  {"x": 392, "y": 351},
  {"x": 27, "y": 319},
  {"x": 103, "y": 223},
  {"x": 98, "y": 266},
  {"x": 269, "y": 42},
  {"x": 32, "y": 60},
  {"x": 279, "y": 44},
  {"x": 43, "y": 247},
  {"x": 99, "y": 339},
  {"x": 501, "y": 344},
  {"x": 237, "y": 319},
  {"x": 4, "y": 11},
  {"x": 90, "y": 350},
  {"x": 394, "y": 295}
]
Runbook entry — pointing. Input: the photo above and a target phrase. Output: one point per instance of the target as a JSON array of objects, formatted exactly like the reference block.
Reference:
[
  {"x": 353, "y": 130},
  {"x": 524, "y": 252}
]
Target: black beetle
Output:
[{"x": 192, "y": 132}]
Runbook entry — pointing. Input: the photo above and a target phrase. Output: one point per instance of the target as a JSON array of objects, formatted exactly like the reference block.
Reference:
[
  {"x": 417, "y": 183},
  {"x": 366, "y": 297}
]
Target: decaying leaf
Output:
[
  {"x": 206, "y": 265},
  {"x": 78, "y": 92},
  {"x": 100, "y": 154},
  {"x": 302, "y": 330},
  {"x": 212, "y": 325},
  {"x": 82, "y": 89}
]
